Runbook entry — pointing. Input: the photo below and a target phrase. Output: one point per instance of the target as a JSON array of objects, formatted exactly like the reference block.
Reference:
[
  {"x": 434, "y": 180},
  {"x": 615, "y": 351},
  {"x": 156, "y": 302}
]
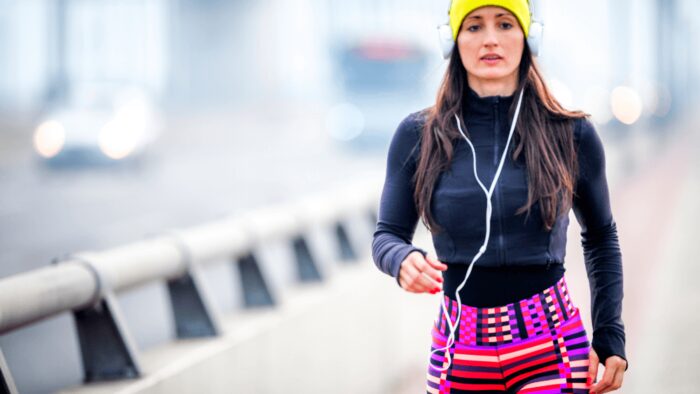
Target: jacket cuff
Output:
[{"x": 608, "y": 343}]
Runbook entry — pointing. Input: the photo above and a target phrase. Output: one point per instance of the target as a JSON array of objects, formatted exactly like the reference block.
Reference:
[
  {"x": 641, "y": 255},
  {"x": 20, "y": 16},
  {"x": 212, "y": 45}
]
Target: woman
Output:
[{"x": 513, "y": 326}]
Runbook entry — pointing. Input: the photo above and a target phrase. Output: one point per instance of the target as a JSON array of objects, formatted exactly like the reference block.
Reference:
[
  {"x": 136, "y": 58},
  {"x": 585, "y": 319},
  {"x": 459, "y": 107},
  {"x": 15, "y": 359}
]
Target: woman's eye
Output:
[
  {"x": 473, "y": 28},
  {"x": 506, "y": 25}
]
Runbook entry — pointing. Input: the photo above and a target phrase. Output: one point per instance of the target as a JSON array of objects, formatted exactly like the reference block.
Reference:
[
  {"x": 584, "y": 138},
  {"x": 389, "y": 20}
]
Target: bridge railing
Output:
[{"x": 85, "y": 284}]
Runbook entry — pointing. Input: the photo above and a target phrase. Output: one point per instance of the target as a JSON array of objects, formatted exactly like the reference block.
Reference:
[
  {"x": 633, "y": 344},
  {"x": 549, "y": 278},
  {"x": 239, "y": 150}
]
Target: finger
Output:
[
  {"x": 409, "y": 275},
  {"x": 617, "y": 381},
  {"x": 428, "y": 283},
  {"x": 435, "y": 263},
  {"x": 592, "y": 367},
  {"x": 426, "y": 268},
  {"x": 419, "y": 282},
  {"x": 434, "y": 287},
  {"x": 617, "y": 366},
  {"x": 605, "y": 382}
]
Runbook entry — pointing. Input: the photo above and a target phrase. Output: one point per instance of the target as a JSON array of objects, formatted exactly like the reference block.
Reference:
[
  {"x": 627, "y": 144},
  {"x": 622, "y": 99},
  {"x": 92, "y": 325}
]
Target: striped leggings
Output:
[{"x": 535, "y": 345}]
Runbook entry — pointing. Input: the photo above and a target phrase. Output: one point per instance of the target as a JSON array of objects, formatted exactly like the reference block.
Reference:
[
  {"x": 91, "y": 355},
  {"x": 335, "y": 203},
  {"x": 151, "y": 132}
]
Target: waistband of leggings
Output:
[{"x": 528, "y": 317}]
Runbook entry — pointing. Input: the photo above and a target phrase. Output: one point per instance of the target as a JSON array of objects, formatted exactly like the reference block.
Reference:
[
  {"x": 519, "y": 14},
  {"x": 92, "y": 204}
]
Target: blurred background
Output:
[{"x": 122, "y": 118}]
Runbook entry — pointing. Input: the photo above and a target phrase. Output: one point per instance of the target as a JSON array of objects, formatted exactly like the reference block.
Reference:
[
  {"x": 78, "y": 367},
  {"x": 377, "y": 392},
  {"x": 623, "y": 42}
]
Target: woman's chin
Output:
[{"x": 492, "y": 75}]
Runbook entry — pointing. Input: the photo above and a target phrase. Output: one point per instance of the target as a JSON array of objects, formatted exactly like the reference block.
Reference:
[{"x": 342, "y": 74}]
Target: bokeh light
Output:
[
  {"x": 626, "y": 104},
  {"x": 49, "y": 138}
]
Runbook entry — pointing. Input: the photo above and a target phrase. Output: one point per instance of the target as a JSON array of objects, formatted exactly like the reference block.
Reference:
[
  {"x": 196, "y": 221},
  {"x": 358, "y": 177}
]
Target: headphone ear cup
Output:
[
  {"x": 446, "y": 42},
  {"x": 534, "y": 38}
]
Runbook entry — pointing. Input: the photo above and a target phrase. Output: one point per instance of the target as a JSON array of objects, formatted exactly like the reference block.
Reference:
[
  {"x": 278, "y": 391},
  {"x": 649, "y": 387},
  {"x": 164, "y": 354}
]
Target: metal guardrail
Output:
[{"x": 86, "y": 283}]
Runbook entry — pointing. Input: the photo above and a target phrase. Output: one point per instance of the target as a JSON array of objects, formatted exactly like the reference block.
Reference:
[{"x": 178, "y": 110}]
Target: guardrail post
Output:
[
  {"x": 193, "y": 314},
  {"x": 7, "y": 385},
  {"x": 256, "y": 291},
  {"x": 192, "y": 311},
  {"x": 307, "y": 268},
  {"x": 107, "y": 350},
  {"x": 347, "y": 252}
]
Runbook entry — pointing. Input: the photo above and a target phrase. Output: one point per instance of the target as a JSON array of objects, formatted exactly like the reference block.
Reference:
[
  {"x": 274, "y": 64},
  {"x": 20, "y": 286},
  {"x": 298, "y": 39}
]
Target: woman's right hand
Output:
[{"x": 420, "y": 274}]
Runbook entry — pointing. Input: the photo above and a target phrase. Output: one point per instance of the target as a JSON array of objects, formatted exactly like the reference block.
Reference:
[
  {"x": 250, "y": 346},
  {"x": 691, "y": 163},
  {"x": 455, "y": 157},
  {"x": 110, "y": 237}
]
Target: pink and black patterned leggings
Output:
[{"x": 535, "y": 345}]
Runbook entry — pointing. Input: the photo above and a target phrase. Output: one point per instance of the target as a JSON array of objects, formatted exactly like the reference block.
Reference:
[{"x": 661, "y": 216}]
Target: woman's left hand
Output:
[{"x": 612, "y": 377}]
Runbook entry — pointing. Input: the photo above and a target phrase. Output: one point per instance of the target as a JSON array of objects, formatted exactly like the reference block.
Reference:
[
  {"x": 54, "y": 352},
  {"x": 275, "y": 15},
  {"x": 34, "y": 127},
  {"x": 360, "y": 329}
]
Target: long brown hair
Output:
[{"x": 544, "y": 134}]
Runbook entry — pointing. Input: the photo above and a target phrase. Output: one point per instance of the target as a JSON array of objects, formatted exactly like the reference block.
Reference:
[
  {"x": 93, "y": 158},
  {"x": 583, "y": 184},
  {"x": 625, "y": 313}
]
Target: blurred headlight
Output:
[
  {"x": 117, "y": 141},
  {"x": 49, "y": 138},
  {"x": 127, "y": 130}
]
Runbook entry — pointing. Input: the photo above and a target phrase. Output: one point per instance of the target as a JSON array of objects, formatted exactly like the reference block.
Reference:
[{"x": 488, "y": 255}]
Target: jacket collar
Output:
[{"x": 473, "y": 105}]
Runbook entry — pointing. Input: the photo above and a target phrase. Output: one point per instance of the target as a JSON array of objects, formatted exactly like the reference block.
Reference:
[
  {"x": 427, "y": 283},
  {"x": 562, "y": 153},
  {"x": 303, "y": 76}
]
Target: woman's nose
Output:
[{"x": 491, "y": 37}]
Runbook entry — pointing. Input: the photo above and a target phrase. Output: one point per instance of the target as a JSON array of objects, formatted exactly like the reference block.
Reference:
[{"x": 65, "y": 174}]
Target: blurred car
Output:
[
  {"x": 98, "y": 124},
  {"x": 383, "y": 80}
]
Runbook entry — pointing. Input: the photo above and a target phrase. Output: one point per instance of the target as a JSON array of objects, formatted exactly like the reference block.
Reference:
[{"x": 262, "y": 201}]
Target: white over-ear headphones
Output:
[{"x": 534, "y": 37}]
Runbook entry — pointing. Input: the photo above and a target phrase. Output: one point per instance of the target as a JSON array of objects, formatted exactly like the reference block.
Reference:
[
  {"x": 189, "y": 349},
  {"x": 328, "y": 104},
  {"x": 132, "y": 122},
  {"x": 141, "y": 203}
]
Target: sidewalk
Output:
[{"x": 665, "y": 352}]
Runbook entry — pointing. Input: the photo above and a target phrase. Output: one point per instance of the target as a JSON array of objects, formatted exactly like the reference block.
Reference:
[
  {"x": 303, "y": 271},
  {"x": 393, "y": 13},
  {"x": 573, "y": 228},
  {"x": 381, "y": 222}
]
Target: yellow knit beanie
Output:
[{"x": 461, "y": 8}]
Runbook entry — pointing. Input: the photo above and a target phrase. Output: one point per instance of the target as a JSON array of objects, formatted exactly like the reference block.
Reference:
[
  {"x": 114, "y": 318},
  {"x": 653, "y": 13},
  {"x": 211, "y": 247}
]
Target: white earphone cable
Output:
[{"x": 489, "y": 208}]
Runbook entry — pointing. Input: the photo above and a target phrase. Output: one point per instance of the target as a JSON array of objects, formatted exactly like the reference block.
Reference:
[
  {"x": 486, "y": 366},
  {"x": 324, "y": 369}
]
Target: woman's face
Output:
[{"x": 491, "y": 43}]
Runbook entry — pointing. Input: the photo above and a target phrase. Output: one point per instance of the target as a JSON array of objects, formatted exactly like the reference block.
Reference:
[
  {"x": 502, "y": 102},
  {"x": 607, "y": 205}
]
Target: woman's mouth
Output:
[{"x": 491, "y": 59}]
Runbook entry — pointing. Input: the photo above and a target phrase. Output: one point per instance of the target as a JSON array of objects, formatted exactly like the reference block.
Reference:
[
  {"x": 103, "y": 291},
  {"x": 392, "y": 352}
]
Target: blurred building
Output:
[{"x": 218, "y": 52}]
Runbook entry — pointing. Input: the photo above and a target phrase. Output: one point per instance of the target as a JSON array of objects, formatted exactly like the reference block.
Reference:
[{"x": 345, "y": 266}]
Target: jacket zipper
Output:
[{"x": 501, "y": 249}]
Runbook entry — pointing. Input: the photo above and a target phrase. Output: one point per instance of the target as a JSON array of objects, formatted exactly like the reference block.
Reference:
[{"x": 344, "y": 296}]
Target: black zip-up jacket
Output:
[{"x": 459, "y": 206}]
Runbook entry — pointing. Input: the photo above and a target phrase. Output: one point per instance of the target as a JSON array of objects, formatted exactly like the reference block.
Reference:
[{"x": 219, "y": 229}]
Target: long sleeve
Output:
[
  {"x": 398, "y": 218},
  {"x": 601, "y": 248}
]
